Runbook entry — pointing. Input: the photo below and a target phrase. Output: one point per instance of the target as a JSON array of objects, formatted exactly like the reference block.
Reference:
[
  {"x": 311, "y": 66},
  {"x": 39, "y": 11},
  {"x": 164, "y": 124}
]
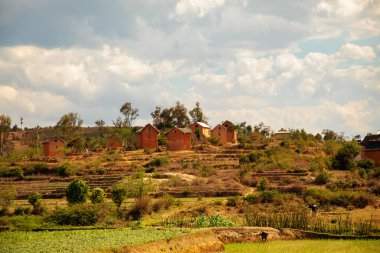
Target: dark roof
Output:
[
  {"x": 183, "y": 130},
  {"x": 219, "y": 125},
  {"x": 141, "y": 129},
  {"x": 371, "y": 142},
  {"x": 228, "y": 123}
]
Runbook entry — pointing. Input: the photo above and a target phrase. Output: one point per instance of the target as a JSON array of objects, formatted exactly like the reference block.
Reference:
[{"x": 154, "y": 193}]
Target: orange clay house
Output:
[
  {"x": 51, "y": 146},
  {"x": 178, "y": 139},
  {"x": 371, "y": 148},
  {"x": 147, "y": 137},
  {"x": 220, "y": 132},
  {"x": 231, "y": 131},
  {"x": 201, "y": 131}
]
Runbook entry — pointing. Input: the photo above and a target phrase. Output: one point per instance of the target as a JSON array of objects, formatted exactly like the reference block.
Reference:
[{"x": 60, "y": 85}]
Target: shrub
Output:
[
  {"x": 77, "y": 191},
  {"x": 65, "y": 170},
  {"x": 139, "y": 208},
  {"x": 366, "y": 164},
  {"x": 206, "y": 171},
  {"x": 20, "y": 210},
  {"x": 254, "y": 156},
  {"x": 262, "y": 184},
  {"x": 97, "y": 196},
  {"x": 101, "y": 171},
  {"x": 12, "y": 172},
  {"x": 252, "y": 198},
  {"x": 41, "y": 168},
  {"x": 214, "y": 140},
  {"x": 322, "y": 178},
  {"x": 34, "y": 198},
  {"x": 268, "y": 196},
  {"x": 157, "y": 162},
  {"x": 150, "y": 169},
  {"x": 243, "y": 159},
  {"x": 232, "y": 201},
  {"x": 343, "y": 159},
  {"x": 118, "y": 193},
  {"x": 80, "y": 215},
  {"x": 7, "y": 196}
]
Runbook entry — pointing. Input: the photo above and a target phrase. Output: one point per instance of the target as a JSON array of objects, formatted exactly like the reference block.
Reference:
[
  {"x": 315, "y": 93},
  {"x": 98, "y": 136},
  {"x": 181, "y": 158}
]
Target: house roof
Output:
[
  {"x": 219, "y": 125},
  {"x": 183, "y": 130},
  {"x": 203, "y": 124},
  {"x": 371, "y": 142},
  {"x": 141, "y": 129},
  {"x": 228, "y": 122}
]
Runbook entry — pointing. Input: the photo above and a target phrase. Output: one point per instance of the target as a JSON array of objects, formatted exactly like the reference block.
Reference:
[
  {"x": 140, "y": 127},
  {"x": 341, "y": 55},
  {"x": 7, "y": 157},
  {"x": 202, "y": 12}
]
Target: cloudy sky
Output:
[{"x": 293, "y": 64}]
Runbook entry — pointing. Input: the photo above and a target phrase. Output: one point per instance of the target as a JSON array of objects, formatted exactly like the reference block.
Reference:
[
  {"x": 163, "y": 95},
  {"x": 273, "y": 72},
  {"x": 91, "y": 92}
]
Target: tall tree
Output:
[
  {"x": 197, "y": 114},
  {"x": 129, "y": 113},
  {"x": 69, "y": 128},
  {"x": 100, "y": 125},
  {"x": 5, "y": 124},
  {"x": 180, "y": 115},
  {"x": 156, "y": 115}
]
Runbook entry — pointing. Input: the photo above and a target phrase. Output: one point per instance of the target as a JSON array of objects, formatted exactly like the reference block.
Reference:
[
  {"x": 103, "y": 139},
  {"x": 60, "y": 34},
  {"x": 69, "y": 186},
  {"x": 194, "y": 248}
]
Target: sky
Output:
[{"x": 288, "y": 63}]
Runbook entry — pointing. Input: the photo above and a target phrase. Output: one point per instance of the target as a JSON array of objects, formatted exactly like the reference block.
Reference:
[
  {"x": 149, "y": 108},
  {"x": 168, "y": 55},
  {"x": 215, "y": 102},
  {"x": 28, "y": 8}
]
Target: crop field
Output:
[
  {"x": 307, "y": 246},
  {"x": 80, "y": 240}
]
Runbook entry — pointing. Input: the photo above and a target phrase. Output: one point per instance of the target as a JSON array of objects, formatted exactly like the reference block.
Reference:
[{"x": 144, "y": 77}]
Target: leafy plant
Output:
[
  {"x": 77, "y": 191},
  {"x": 97, "y": 196}
]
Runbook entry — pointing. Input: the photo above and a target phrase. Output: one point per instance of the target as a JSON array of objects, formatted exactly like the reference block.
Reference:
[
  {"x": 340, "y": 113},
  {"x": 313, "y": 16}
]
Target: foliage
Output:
[
  {"x": 343, "y": 159},
  {"x": 197, "y": 114},
  {"x": 80, "y": 214},
  {"x": 97, "y": 195},
  {"x": 140, "y": 207},
  {"x": 69, "y": 127},
  {"x": 331, "y": 135},
  {"x": 207, "y": 171},
  {"x": 262, "y": 184},
  {"x": 169, "y": 117},
  {"x": 65, "y": 170},
  {"x": 212, "y": 221},
  {"x": 138, "y": 186},
  {"x": 35, "y": 198},
  {"x": 12, "y": 172},
  {"x": 232, "y": 200},
  {"x": 322, "y": 178},
  {"x": 366, "y": 164},
  {"x": 130, "y": 114},
  {"x": 157, "y": 162},
  {"x": 77, "y": 191},
  {"x": 7, "y": 196},
  {"x": 214, "y": 140},
  {"x": 5, "y": 123},
  {"x": 118, "y": 193},
  {"x": 81, "y": 241}
]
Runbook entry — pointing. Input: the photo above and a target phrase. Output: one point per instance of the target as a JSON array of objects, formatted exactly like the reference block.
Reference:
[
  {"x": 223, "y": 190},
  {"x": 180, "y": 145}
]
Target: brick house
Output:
[
  {"x": 147, "y": 137},
  {"x": 231, "y": 131},
  {"x": 220, "y": 132},
  {"x": 52, "y": 146},
  {"x": 371, "y": 148},
  {"x": 201, "y": 131},
  {"x": 178, "y": 139}
]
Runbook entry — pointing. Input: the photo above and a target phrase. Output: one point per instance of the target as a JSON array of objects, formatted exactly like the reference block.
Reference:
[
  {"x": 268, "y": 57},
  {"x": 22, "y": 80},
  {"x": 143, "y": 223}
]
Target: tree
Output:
[
  {"x": 7, "y": 196},
  {"x": 97, "y": 195},
  {"x": 118, "y": 122},
  {"x": 129, "y": 113},
  {"x": 180, "y": 115},
  {"x": 197, "y": 114},
  {"x": 100, "y": 125},
  {"x": 77, "y": 191},
  {"x": 343, "y": 159},
  {"x": 69, "y": 126},
  {"x": 262, "y": 129},
  {"x": 118, "y": 193},
  {"x": 156, "y": 115},
  {"x": 5, "y": 124}
]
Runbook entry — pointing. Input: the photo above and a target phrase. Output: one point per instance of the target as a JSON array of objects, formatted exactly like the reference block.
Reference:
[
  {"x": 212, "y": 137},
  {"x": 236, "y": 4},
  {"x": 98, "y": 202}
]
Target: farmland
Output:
[
  {"x": 80, "y": 240},
  {"x": 307, "y": 246}
]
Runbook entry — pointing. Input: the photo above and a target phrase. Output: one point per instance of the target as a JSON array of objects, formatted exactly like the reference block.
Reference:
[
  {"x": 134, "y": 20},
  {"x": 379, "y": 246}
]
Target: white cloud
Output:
[
  {"x": 198, "y": 7},
  {"x": 352, "y": 51}
]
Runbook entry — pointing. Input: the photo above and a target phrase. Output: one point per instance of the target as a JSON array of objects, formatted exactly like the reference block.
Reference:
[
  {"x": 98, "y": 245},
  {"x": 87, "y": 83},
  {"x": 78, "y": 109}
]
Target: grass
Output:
[
  {"x": 306, "y": 246},
  {"x": 81, "y": 240}
]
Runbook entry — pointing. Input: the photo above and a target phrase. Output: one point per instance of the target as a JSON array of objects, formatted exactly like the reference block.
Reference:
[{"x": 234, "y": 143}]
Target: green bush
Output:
[
  {"x": 157, "y": 162},
  {"x": 232, "y": 200},
  {"x": 366, "y": 164},
  {"x": 80, "y": 215},
  {"x": 206, "y": 171},
  {"x": 139, "y": 208},
  {"x": 34, "y": 198},
  {"x": 322, "y": 178},
  {"x": 77, "y": 191},
  {"x": 12, "y": 172},
  {"x": 252, "y": 198},
  {"x": 20, "y": 210},
  {"x": 343, "y": 159},
  {"x": 214, "y": 140},
  {"x": 243, "y": 159},
  {"x": 254, "y": 156},
  {"x": 262, "y": 185},
  {"x": 65, "y": 170},
  {"x": 8, "y": 194},
  {"x": 268, "y": 196},
  {"x": 118, "y": 194},
  {"x": 97, "y": 196}
]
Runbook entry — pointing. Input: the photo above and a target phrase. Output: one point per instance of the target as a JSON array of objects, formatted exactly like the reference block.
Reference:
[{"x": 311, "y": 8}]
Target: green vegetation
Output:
[
  {"x": 81, "y": 240},
  {"x": 97, "y": 195},
  {"x": 306, "y": 246},
  {"x": 77, "y": 191}
]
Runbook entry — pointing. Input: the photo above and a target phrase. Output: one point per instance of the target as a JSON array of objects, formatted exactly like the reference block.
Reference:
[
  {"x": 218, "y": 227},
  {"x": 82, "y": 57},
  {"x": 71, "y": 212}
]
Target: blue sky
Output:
[{"x": 292, "y": 64}]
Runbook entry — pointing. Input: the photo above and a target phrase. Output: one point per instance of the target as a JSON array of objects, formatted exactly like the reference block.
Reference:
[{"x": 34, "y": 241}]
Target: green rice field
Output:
[
  {"x": 307, "y": 246},
  {"x": 80, "y": 240}
]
